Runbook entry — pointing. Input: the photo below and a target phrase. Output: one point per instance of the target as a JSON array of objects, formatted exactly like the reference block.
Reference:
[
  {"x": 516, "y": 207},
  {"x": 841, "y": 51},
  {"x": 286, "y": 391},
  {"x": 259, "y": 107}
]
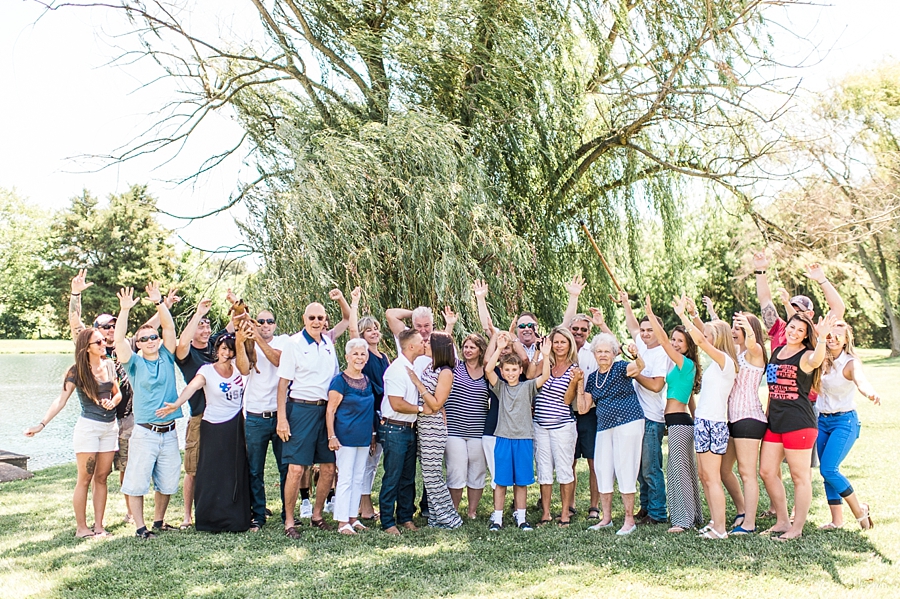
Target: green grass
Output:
[
  {"x": 36, "y": 346},
  {"x": 39, "y": 556}
]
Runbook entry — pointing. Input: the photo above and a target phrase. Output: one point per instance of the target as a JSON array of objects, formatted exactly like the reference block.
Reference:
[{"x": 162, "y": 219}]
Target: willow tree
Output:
[{"x": 416, "y": 145}]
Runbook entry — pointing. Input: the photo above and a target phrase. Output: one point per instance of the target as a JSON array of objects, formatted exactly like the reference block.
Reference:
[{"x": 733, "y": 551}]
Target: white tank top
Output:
[
  {"x": 838, "y": 394},
  {"x": 224, "y": 397}
]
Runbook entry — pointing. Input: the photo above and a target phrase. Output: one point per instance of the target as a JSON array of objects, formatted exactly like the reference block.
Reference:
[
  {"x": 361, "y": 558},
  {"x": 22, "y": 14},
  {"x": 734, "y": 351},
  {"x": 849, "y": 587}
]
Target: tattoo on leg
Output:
[{"x": 91, "y": 465}]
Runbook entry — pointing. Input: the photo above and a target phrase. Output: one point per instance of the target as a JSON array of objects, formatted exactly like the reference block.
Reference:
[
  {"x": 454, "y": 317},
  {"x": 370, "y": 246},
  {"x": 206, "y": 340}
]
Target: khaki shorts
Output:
[
  {"x": 126, "y": 427},
  {"x": 192, "y": 445}
]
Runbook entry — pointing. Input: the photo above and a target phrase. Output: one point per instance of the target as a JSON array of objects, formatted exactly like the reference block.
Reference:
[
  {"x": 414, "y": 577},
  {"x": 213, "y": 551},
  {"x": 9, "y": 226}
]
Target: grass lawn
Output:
[
  {"x": 40, "y": 557},
  {"x": 36, "y": 346}
]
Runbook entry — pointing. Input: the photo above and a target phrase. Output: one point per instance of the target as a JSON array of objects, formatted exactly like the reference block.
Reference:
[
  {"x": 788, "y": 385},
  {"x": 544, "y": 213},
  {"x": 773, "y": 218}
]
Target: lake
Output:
[{"x": 28, "y": 385}]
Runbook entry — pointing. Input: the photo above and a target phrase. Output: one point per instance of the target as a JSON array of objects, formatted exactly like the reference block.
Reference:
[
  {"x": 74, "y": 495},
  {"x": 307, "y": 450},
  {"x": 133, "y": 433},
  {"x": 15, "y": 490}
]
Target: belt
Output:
[
  {"x": 826, "y": 415},
  {"x": 267, "y": 414},
  {"x": 318, "y": 402},
  {"x": 158, "y": 428},
  {"x": 397, "y": 422}
]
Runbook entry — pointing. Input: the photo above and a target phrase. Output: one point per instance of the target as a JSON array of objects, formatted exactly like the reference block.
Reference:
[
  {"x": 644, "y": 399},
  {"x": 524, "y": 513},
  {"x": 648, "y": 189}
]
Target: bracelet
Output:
[
  {"x": 760, "y": 272},
  {"x": 822, "y": 282},
  {"x": 332, "y": 437},
  {"x": 43, "y": 426},
  {"x": 76, "y": 295}
]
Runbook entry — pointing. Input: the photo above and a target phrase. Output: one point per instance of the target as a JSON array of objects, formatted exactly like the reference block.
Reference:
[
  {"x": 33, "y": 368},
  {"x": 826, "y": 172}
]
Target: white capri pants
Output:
[
  {"x": 617, "y": 455},
  {"x": 487, "y": 444},
  {"x": 351, "y": 466},
  {"x": 371, "y": 468},
  {"x": 555, "y": 449},
  {"x": 465, "y": 463}
]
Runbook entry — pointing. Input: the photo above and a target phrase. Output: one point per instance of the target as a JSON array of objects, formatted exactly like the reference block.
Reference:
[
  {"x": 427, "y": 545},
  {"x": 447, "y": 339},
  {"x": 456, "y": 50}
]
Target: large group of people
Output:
[{"x": 508, "y": 407}]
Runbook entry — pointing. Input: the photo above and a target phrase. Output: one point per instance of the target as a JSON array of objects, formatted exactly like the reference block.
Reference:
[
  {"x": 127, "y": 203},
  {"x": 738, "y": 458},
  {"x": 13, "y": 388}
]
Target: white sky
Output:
[{"x": 60, "y": 99}]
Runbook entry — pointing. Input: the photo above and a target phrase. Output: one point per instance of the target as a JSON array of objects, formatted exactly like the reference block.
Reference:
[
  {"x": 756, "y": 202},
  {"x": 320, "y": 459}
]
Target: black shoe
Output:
[
  {"x": 525, "y": 526},
  {"x": 642, "y": 513},
  {"x": 495, "y": 526}
]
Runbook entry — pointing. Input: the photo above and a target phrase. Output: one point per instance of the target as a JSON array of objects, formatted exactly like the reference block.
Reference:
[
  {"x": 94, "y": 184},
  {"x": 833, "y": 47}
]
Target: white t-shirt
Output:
[
  {"x": 715, "y": 387},
  {"x": 261, "y": 388},
  {"x": 586, "y": 360},
  {"x": 398, "y": 384},
  {"x": 223, "y": 395},
  {"x": 309, "y": 366},
  {"x": 656, "y": 364}
]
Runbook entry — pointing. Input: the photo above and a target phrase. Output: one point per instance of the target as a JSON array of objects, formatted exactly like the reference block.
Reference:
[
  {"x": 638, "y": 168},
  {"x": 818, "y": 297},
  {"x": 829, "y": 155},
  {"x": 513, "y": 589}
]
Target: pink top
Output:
[{"x": 744, "y": 401}]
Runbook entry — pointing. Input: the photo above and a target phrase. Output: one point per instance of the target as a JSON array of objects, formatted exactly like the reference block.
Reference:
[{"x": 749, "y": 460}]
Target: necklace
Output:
[{"x": 600, "y": 386}]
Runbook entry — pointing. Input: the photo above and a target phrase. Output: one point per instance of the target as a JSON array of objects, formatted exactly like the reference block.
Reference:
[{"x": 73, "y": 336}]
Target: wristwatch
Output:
[{"x": 421, "y": 409}]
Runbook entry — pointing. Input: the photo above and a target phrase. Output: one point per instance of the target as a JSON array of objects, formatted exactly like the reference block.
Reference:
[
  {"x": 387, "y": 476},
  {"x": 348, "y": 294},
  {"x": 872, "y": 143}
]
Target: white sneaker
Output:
[
  {"x": 306, "y": 509},
  {"x": 329, "y": 506}
]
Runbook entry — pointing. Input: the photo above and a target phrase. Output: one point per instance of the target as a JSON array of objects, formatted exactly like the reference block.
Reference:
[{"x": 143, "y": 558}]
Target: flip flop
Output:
[
  {"x": 735, "y": 523},
  {"x": 185, "y": 525},
  {"x": 87, "y": 536},
  {"x": 784, "y": 539},
  {"x": 545, "y": 521},
  {"x": 767, "y": 514},
  {"x": 740, "y": 530},
  {"x": 830, "y": 526}
]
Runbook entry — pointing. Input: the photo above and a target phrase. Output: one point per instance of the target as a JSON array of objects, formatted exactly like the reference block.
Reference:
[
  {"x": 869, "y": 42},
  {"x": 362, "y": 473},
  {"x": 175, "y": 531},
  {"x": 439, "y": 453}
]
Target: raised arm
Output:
[
  {"x": 574, "y": 289},
  {"x": 165, "y": 317},
  {"x": 636, "y": 367},
  {"x": 480, "y": 288},
  {"x": 816, "y": 273},
  {"x": 241, "y": 359},
  {"x": 695, "y": 313},
  {"x": 754, "y": 348},
  {"x": 195, "y": 385},
  {"x": 631, "y": 323},
  {"x": 598, "y": 321},
  {"x": 813, "y": 359},
  {"x": 353, "y": 326},
  {"x": 769, "y": 314},
  {"x": 338, "y": 329},
  {"x": 127, "y": 301},
  {"x": 545, "y": 359},
  {"x": 79, "y": 284},
  {"x": 710, "y": 309},
  {"x": 170, "y": 300},
  {"x": 450, "y": 320},
  {"x": 661, "y": 336},
  {"x": 717, "y": 355},
  {"x": 187, "y": 335},
  {"x": 494, "y": 356},
  {"x": 395, "y": 318}
]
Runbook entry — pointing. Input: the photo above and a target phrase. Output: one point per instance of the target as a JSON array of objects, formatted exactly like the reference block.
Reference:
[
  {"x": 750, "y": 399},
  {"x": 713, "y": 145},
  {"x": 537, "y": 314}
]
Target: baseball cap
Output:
[
  {"x": 802, "y": 302},
  {"x": 104, "y": 319}
]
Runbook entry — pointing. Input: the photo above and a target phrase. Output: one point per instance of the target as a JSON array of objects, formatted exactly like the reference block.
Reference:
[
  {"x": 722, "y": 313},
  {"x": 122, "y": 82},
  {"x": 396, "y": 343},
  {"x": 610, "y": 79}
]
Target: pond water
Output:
[{"x": 28, "y": 385}]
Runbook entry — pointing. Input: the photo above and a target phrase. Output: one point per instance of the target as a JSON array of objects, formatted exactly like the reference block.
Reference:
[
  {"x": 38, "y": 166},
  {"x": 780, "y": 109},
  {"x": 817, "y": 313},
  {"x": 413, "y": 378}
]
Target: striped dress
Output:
[{"x": 432, "y": 433}]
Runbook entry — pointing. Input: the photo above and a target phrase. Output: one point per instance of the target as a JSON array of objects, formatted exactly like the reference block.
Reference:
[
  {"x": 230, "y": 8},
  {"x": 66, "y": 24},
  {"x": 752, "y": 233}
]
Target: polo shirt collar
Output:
[{"x": 309, "y": 338}]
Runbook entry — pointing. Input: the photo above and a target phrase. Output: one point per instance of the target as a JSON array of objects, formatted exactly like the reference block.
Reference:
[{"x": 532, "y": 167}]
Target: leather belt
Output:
[
  {"x": 318, "y": 402},
  {"x": 267, "y": 414},
  {"x": 158, "y": 428},
  {"x": 398, "y": 422}
]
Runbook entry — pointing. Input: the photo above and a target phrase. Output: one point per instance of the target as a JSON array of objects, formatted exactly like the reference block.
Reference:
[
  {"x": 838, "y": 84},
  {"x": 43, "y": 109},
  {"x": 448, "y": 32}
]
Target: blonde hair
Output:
[
  {"x": 849, "y": 347},
  {"x": 572, "y": 355},
  {"x": 722, "y": 339},
  {"x": 367, "y": 322}
]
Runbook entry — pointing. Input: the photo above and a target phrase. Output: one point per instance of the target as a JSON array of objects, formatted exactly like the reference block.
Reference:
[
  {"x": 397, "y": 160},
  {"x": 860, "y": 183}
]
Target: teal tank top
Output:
[{"x": 680, "y": 382}]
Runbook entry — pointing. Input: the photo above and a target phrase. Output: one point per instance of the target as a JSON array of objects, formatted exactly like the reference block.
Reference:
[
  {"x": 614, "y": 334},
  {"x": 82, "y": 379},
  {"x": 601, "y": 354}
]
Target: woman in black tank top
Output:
[{"x": 793, "y": 371}]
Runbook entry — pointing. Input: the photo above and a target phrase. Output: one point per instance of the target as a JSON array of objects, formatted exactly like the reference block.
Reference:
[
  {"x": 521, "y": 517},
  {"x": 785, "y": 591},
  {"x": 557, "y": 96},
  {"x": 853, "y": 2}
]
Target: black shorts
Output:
[
  {"x": 747, "y": 428},
  {"x": 308, "y": 443},
  {"x": 586, "y": 425},
  {"x": 679, "y": 419}
]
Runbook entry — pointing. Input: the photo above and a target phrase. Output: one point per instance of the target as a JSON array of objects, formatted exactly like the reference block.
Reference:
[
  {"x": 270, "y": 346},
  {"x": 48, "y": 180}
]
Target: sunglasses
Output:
[
  {"x": 265, "y": 320},
  {"x": 148, "y": 338},
  {"x": 579, "y": 329},
  {"x": 527, "y": 325},
  {"x": 98, "y": 342},
  {"x": 203, "y": 321},
  {"x": 317, "y": 317},
  {"x": 106, "y": 327}
]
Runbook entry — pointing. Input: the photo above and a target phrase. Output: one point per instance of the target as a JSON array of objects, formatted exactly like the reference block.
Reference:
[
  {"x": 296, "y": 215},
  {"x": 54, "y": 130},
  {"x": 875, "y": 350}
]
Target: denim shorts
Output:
[
  {"x": 710, "y": 436},
  {"x": 152, "y": 455}
]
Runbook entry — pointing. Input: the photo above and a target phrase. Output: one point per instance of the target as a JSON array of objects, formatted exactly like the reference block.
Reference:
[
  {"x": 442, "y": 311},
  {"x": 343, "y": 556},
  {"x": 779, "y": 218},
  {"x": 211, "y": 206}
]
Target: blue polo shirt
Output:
[{"x": 153, "y": 382}]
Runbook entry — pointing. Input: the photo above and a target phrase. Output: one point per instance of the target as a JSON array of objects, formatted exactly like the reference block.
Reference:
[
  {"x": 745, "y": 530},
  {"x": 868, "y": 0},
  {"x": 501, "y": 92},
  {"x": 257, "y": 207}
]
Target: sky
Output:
[{"x": 63, "y": 99}]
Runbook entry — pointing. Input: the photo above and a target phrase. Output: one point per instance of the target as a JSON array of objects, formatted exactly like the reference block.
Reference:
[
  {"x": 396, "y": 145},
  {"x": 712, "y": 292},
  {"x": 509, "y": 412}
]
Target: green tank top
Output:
[{"x": 680, "y": 381}]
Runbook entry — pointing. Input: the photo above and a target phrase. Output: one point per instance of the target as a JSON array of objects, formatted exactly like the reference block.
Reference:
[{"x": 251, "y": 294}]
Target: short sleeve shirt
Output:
[
  {"x": 261, "y": 388},
  {"x": 612, "y": 391},
  {"x": 189, "y": 367},
  {"x": 309, "y": 365},
  {"x": 656, "y": 364},
  {"x": 89, "y": 408},
  {"x": 353, "y": 422},
  {"x": 398, "y": 384},
  {"x": 514, "y": 409},
  {"x": 153, "y": 382}
]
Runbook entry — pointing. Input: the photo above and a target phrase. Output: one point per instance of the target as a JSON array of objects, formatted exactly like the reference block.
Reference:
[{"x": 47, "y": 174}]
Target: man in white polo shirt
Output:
[
  {"x": 650, "y": 386},
  {"x": 307, "y": 365},
  {"x": 261, "y": 404},
  {"x": 399, "y": 410}
]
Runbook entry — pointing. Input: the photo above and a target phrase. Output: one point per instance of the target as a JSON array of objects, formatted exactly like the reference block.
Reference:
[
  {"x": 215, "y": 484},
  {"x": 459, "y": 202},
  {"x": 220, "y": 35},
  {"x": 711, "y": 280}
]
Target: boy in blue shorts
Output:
[{"x": 514, "y": 450}]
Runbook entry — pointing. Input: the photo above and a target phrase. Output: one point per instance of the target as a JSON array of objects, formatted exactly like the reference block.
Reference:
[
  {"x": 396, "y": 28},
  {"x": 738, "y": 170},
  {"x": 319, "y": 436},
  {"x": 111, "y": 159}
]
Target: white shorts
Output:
[
  {"x": 617, "y": 457},
  {"x": 487, "y": 443},
  {"x": 93, "y": 436},
  {"x": 465, "y": 463},
  {"x": 555, "y": 450}
]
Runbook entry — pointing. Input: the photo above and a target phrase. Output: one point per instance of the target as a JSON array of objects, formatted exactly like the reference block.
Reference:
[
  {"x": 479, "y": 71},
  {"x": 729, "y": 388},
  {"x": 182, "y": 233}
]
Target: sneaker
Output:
[
  {"x": 306, "y": 509},
  {"x": 525, "y": 526},
  {"x": 495, "y": 526},
  {"x": 329, "y": 506}
]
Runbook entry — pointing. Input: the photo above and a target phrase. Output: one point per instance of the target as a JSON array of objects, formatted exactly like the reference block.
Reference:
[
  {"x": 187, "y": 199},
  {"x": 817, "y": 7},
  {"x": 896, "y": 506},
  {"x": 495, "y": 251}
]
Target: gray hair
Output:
[
  {"x": 354, "y": 344},
  {"x": 422, "y": 312},
  {"x": 605, "y": 340},
  {"x": 367, "y": 322}
]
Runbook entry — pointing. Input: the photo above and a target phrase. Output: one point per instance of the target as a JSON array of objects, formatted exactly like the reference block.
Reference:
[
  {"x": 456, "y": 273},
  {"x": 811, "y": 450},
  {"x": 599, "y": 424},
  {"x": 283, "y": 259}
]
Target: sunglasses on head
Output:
[
  {"x": 317, "y": 317},
  {"x": 107, "y": 327},
  {"x": 146, "y": 338},
  {"x": 527, "y": 325},
  {"x": 265, "y": 320}
]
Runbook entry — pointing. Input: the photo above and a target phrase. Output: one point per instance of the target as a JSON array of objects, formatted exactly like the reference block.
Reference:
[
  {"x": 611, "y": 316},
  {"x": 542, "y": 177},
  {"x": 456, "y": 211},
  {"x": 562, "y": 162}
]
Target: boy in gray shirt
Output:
[{"x": 514, "y": 450}]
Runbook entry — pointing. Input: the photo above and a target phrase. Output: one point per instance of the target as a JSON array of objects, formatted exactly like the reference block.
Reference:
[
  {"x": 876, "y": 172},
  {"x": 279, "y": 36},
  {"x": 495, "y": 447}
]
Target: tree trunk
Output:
[{"x": 881, "y": 287}]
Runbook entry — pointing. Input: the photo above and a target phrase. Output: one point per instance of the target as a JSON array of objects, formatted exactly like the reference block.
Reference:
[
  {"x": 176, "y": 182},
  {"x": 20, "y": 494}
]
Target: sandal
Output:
[
  {"x": 545, "y": 521},
  {"x": 346, "y": 529},
  {"x": 572, "y": 511},
  {"x": 564, "y": 523},
  {"x": 292, "y": 533},
  {"x": 91, "y": 535},
  {"x": 706, "y": 528},
  {"x": 359, "y": 526},
  {"x": 185, "y": 525},
  {"x": 374, "y": 516},
  {"x": 735, "y": 523},
  {"x": 767, "y": 514},
  {"x": 740, "y": 530},
  {"x": 712, "y": 534},
  {"x": 831, "y": 526},
  {"x": 164, "y": 527},
  {"x": 144, "y": 533},
  {"x": 866, "y": 517},
  {"x": 320, "y": 524},
  {"x": 677, "y": 530},
  {"x": 593, "y": 513},
  {"x": 784, "y": 539}
]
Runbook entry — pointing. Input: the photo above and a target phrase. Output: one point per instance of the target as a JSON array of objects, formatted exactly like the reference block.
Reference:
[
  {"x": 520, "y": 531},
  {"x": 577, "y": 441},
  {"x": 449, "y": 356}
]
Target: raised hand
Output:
[
  {"x": 815, "y": 272},
  {"x": 153, "y": 292},
  {"x": 576, "y": 285},
  {"x": 355, "y": 295},
  {"x": 785, "y": 296},
  {"x": 79, "y": 282},
  {"x": 204, "y": 306},
  {"x": 335, "y": 295},
  {"x": 127, "y": 301},
  {"x": 597, "y": 317},
  {"x": 679, "y": 304},
  {"x": 691, "y": 306},
  {"x": 826, "y": 325},
  {"x": 502, "y": 341},
  {"x": 171, "y": 298},
  {"x": 623, "y": 297},
  {"x": 546, "y": 346},
  {"x": 648, "y": 307},
  {"x": 760, "y": 261},
  {"x": 480, "y": 288},
  {"x": 230, "y": 296},
  {"x": 450, "y": 316}
]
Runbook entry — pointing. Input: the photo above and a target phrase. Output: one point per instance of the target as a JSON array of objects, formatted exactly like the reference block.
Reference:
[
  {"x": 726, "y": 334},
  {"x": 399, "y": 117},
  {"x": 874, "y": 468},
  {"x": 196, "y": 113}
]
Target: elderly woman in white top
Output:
[{"x": 839, "y": 424}]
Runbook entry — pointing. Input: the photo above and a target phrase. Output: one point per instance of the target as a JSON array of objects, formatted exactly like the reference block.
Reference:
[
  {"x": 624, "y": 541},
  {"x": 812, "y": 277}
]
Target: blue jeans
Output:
[
  {"x": 398, "y": 486},
  {"x": 259, "y": 432},
  {"x": 651, "y": 478},
  {"x": 837, "y": 434}
]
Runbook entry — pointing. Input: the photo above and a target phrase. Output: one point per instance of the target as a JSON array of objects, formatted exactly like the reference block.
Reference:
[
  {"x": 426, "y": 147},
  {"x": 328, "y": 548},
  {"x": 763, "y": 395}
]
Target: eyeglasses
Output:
[
  {"x": 579, "y": 329},
  {"x": 317, "y": 317},
  {"x": 106, "y": 327},
  {"x": 98, "y": 342},
  {"x": 265, "y": 320},
  {"x": 148, "y": 338},
  {"x": 527, "y": 325}
]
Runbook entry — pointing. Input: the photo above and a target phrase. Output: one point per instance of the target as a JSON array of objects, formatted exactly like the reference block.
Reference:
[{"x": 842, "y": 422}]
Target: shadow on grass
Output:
[{"x": 470, "y": 561}]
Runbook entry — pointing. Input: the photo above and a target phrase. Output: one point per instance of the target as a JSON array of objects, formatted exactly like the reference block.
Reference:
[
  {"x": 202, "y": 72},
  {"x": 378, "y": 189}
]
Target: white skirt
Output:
[{"x": 93, "y": 436}]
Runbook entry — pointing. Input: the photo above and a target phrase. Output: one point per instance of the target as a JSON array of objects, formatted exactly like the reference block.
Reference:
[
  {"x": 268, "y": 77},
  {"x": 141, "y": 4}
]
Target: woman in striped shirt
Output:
[
  {"x": 554, "y": 424},
  {"x": 466, "y": 411}
]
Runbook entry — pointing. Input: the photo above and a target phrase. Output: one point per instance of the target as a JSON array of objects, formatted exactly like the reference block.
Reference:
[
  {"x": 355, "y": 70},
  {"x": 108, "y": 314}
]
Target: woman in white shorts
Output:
[{"x": 96, "y": 433}]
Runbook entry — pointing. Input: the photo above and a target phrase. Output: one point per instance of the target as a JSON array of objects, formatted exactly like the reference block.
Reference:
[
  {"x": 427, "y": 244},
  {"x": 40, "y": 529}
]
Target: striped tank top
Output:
[
  {"x": 467, "y": 405},
  {"x": 550, "y": 409},
  {"x": 744, "y": 401}
]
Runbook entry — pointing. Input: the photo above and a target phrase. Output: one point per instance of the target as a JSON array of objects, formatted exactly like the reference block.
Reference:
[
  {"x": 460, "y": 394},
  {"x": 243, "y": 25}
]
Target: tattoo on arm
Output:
[
  {"x": 75, "y": 322},
  {"x": 770, "y": 315}
]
